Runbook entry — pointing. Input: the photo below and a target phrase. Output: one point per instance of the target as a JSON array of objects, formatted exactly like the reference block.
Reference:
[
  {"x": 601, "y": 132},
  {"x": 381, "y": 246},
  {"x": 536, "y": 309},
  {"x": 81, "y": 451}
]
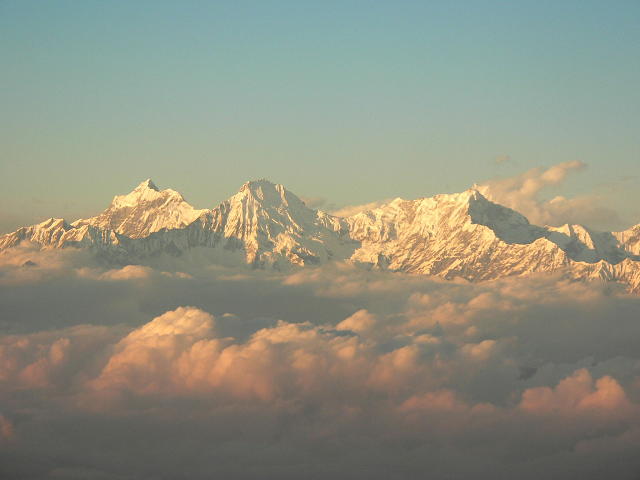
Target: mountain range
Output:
[{"x": 265, "y": 225}]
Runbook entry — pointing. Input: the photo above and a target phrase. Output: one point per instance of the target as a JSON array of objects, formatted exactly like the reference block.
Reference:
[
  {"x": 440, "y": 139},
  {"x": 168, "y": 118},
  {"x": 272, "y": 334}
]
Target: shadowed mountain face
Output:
[{"x": 266, "y": 226}]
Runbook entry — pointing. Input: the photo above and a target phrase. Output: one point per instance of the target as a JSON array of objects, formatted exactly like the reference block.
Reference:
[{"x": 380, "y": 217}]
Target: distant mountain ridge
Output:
[{"x": 265, "y": 225}]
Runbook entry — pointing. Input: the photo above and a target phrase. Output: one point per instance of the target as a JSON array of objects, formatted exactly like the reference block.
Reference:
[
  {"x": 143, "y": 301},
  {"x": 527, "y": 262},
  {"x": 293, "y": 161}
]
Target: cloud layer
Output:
[
  {"x": 337, "y": 372},
  {"x": 524, "y": 193}
]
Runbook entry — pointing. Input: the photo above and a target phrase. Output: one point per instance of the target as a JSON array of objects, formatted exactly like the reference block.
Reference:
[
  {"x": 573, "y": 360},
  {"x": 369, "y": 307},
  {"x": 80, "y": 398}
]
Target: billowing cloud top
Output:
[{"x": 216, "y": 372}]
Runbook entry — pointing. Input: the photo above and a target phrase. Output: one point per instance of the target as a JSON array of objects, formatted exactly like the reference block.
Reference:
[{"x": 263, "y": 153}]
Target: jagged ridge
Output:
[{"x": 266, "y": 226}]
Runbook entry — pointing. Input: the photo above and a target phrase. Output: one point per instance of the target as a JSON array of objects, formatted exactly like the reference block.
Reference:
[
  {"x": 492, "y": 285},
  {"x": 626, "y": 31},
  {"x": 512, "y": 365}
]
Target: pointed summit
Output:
[
  {"x": 466, "y": 198},
  {"x": 147, "y": 185},
  {"x": 476, "y": 193},
  {"x": 275, "y": 227},
  {"x": 145, "y": 192},
  {"x": 143, "y": 211},
  {"x": 260, "y": 185},
  {"x": 260, "y": 182},
  {"x": 268, "y": 194}
]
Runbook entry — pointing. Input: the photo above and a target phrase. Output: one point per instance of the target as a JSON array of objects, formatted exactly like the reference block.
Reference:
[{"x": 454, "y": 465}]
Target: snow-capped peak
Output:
[
  {"x": 268, "y": 194},
  {"x": 146, "y": 191},
  {"x": 147, "y": 185},
  {"x": 265, "y": 195},
  {"x": 143, "y": 211}
]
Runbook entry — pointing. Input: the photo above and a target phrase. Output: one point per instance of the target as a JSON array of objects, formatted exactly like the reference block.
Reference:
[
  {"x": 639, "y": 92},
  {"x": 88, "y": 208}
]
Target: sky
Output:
[{"x": 351, "y": 101}]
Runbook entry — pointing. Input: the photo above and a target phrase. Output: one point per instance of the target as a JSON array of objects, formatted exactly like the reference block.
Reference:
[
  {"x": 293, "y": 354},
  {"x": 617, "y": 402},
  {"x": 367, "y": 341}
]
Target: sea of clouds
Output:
[{"x": 333, "y": 372}]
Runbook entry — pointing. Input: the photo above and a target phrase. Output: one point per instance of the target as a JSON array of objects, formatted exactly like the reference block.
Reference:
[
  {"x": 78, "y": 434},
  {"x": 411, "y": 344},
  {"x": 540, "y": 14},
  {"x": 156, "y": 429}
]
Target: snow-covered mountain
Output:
[
  {"x": 144, "y": 211},
  {"x": 263, "y": 225},
  {"x": 266, "y": 226},
  {"x": 465, "y": 235},
  {"x": 273, "y": 227}
]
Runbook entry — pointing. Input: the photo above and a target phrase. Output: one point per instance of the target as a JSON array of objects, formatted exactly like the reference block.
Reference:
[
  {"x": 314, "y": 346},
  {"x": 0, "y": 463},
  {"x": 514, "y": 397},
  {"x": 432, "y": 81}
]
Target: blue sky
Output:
[{"x": 354, "y": 101}]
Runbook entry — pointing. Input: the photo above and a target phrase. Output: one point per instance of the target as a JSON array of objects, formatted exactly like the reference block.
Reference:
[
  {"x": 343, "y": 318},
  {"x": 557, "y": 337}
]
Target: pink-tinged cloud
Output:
[
  {"x": 406, "y": 370},
  {"x": 577, "y": 393},
  {"x": 361, "y": 321},
  {"x": 525, "y": 194},
  {"x": 6, "y": 429}
]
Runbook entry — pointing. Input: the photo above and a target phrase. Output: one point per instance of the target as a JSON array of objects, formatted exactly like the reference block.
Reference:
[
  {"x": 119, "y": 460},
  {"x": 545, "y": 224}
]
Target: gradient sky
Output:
[{"x": 353, "y": 101}]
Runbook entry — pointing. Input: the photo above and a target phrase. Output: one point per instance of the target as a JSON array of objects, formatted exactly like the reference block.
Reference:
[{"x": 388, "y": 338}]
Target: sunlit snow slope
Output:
[{"x": 266, "y": 226}]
